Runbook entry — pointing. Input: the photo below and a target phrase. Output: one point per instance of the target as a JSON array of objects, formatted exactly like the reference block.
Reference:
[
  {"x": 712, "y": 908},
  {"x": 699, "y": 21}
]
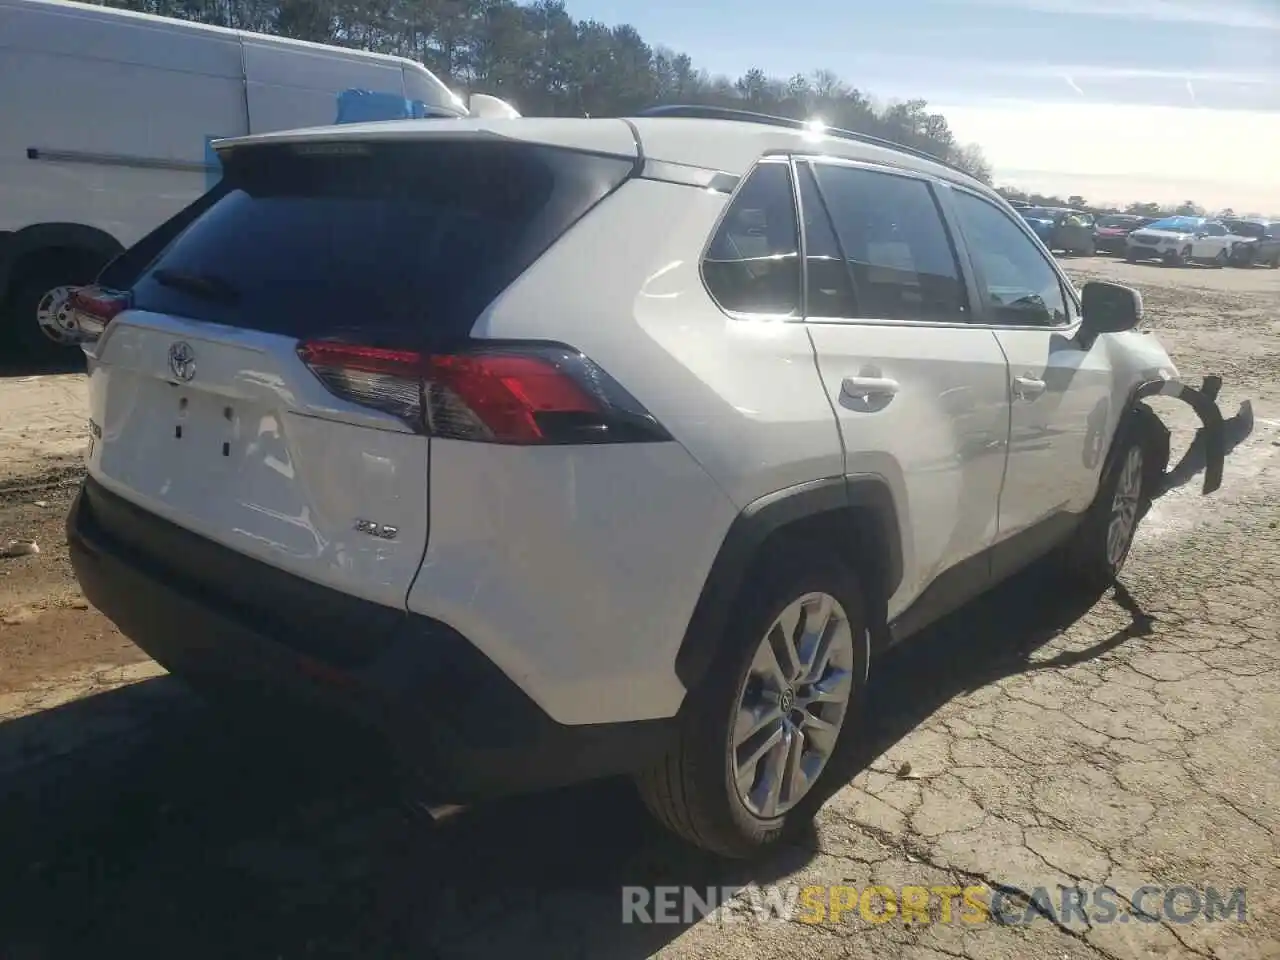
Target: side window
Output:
[
  {"x": 890, "y": 234},
  {"x": 1215, "y": 229},
  {"x": 753, "y": 263},
  {"x": 830, "y": 286},
  {"x": 1020, "y": 286}
]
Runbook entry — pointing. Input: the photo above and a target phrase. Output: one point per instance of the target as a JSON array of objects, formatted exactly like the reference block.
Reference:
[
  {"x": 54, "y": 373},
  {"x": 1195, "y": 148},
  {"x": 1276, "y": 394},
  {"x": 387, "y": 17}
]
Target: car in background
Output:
[
  {"x": 1061, "y": 229},
  {"x": 1254, "y": 241},
  {"x": 1040, "y": 220},
  {"x": 1180, "y": 240},
  {"x": 1111, "y": 232}
]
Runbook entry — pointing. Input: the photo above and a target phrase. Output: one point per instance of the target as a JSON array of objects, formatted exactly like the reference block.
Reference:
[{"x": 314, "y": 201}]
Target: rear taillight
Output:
[
  {"x": 387, "y": 380},
  {"x": 93, "y": 307},
  {"x": 500, "y": 393}
]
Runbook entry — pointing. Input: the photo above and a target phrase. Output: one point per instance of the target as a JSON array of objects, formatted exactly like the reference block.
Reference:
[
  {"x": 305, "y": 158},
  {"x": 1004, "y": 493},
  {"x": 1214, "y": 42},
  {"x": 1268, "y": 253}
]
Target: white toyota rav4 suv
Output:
[
  {"x": 555, "y": 449},
  {"x": 1182, "y": 240}
]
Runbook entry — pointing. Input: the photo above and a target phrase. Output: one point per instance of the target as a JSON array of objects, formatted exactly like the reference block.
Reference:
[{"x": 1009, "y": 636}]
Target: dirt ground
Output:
[{"x": 1027, "y": 742}]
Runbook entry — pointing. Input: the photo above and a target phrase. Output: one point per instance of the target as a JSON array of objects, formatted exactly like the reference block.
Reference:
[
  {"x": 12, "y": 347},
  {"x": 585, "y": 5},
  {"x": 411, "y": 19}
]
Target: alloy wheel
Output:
[
  {"x": 792, "y": 705},
  {"x": 1124, "y": 509}
]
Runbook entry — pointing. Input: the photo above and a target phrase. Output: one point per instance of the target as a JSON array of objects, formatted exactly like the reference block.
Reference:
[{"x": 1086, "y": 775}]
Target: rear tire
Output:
[{"x": 708, "y": 789}]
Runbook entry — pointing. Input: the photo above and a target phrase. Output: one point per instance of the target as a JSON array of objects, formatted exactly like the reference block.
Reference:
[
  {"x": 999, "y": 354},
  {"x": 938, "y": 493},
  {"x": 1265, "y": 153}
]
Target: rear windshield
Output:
[{"x": 380, "y": 240}]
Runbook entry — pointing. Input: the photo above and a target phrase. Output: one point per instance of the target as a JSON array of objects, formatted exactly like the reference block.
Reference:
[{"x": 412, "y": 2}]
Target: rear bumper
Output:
[
  {"x": 1110, "y": 244},
  {"x": 460, "y": 725}
]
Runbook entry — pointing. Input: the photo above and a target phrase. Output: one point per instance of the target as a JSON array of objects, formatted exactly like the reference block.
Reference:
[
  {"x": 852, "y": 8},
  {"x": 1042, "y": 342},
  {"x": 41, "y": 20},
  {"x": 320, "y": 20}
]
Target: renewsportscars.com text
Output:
[{"x": 834, "y": 904}]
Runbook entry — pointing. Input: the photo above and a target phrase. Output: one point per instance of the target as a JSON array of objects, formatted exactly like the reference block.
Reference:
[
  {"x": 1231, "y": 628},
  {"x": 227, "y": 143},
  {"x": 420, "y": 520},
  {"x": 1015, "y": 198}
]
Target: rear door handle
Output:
[
  {"x": 864, "y": 388},
  {"x": 1027, "y": 388}
]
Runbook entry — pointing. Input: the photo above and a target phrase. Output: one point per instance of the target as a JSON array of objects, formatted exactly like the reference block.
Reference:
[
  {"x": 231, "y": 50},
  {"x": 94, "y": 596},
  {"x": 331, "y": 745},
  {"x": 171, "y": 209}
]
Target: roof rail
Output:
[{"x": 694, "y": 111}]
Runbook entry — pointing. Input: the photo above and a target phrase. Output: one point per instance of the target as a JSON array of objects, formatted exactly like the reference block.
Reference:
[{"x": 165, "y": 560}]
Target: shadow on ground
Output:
[
  {"x": 14, "y": 363},
  {"x": 189, "y": 841}
]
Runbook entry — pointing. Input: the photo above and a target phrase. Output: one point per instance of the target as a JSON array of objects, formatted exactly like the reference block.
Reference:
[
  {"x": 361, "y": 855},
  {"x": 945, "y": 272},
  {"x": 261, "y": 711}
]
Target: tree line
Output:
[
  {"x": 545, "y": 62},
  {"x": 1188, "y": 208}
]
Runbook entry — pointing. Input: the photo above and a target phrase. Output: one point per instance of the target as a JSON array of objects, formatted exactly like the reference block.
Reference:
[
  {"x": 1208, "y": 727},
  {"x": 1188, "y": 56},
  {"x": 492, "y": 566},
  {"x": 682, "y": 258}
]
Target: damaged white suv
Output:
[{"x": 554, "y": 449}]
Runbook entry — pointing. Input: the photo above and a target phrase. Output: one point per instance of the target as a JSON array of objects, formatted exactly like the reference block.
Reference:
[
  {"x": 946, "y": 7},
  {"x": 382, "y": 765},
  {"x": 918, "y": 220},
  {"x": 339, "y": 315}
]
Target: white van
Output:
[{"x": 106, "y": 117}]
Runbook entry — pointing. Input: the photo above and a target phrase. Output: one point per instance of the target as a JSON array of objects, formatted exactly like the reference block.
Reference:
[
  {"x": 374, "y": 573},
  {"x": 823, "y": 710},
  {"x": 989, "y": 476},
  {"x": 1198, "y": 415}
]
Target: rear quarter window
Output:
[{"x": 753, "y": 263}]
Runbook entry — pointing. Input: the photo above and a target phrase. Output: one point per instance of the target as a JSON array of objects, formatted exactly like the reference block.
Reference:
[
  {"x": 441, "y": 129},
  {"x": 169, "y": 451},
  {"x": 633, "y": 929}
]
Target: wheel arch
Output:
[
  {"x": 856, "y": 517},
  {"x": 1137, "y": 416},
  {"x": 44, "y": 238}
]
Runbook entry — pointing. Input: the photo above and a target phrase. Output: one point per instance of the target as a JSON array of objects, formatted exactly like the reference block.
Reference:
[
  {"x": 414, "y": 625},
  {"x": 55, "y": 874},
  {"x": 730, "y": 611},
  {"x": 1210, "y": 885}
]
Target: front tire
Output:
[
  {"x": 1098, "y": 551},
  {"x": 771, "y": 724}
]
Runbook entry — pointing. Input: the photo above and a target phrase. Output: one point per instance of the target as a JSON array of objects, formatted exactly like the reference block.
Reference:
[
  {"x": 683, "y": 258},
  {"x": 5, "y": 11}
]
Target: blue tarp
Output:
[{"x": 361, "y": 106}]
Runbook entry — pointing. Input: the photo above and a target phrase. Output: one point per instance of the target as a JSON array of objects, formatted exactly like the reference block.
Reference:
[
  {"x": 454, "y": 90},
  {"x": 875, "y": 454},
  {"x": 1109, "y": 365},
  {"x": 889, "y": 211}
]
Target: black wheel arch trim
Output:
[
  {"x": 869, "y": 495},
  {"x": 1212, "y": 434},
  {"x": 50, "y": 236}
]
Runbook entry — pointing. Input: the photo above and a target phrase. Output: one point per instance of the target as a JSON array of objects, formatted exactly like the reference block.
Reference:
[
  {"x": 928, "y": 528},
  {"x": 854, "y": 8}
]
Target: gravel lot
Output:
[{"x": 1026, "y": 743}]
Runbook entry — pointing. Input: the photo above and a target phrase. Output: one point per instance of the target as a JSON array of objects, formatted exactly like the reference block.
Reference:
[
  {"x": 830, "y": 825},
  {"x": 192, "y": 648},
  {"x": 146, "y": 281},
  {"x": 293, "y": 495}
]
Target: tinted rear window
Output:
[{"x": 383, "y": 240}]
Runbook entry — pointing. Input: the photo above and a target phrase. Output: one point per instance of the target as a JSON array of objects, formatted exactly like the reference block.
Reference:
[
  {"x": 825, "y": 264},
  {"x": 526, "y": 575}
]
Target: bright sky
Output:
[{"x": 1116, "y": 100}]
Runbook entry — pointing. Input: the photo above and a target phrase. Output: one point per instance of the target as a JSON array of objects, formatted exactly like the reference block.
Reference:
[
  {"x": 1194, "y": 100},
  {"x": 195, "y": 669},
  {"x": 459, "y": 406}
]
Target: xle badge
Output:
[{"x": 379, "y": 530}]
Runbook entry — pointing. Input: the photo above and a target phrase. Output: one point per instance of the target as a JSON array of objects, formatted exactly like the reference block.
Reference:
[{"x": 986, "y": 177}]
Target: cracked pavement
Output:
[{"x": 1032, "y": 741}]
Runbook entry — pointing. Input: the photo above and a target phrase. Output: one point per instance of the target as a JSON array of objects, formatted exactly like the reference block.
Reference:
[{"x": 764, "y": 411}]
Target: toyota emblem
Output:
[{"x": 182, "y": 360}]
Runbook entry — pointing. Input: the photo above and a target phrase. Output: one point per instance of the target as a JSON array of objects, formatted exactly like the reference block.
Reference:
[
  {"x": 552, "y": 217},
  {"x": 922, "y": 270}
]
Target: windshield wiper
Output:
[{"x": 198, "y": 285}]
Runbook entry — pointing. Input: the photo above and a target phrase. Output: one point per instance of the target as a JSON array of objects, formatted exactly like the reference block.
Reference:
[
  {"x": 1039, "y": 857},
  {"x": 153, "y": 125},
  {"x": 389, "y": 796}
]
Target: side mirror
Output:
[{"x": 1107, "y": 308}]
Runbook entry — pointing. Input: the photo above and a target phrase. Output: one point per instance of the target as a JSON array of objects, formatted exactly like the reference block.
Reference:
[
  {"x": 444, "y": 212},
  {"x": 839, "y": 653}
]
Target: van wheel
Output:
[
  {"x": 36, "y": 309},
  {"x": 773, "y": 722}
]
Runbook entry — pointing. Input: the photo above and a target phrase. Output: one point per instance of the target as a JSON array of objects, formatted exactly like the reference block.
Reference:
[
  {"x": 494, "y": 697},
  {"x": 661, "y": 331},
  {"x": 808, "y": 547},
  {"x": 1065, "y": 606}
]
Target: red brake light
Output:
[
  {"x": 512, "y": 394},
  {"x": 505, "y": 393}
]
